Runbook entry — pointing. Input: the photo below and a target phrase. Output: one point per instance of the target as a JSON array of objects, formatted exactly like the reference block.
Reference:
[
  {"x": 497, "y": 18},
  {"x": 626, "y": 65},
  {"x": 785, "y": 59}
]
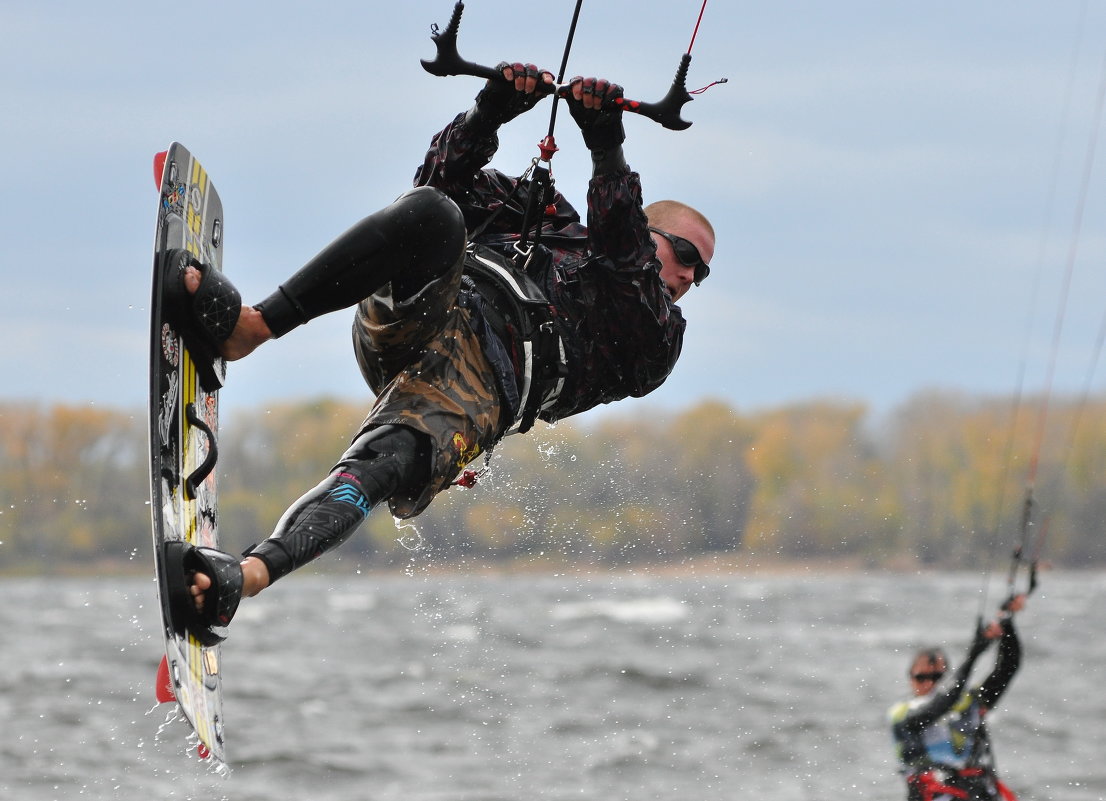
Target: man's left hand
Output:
[{"x": 591, "y": 103}]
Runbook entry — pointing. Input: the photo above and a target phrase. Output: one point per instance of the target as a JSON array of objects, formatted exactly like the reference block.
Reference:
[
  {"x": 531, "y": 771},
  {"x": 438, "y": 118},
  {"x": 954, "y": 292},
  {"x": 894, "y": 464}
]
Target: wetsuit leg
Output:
[
  {"x": 409, "y": 243},
  {"x": 380, "y": 461}
]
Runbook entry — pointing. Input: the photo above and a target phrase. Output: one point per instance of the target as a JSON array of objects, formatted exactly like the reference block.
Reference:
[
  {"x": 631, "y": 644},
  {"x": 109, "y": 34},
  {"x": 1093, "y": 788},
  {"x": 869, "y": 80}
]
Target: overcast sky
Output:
[{"x": 895, "y": 185}]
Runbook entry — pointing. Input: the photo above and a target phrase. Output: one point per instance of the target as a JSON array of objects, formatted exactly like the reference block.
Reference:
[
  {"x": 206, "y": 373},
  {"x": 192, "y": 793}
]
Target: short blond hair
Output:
[{"x": 663, "y": 213}]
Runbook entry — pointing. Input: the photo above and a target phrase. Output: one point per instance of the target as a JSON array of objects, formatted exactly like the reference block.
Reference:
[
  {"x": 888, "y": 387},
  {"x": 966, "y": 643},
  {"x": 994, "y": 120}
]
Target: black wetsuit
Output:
[{"x": 444, "y": 400}]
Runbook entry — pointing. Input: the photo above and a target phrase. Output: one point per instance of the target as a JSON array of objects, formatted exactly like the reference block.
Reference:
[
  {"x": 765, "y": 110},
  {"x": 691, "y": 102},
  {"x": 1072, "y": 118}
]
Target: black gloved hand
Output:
[
  {"x": 590, "y": 101},
  {"x": 504, "y": 99}
]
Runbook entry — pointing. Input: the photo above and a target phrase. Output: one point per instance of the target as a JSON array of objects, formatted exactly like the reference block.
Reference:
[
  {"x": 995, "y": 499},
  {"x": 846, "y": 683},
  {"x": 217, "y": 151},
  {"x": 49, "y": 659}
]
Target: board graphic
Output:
[{"x": 184, "y": 425}]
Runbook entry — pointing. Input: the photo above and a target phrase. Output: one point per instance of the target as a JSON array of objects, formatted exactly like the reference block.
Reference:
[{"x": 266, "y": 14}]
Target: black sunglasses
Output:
[
  {"x": 920, "y": 677},
  {"x": 687, "y": 253}
]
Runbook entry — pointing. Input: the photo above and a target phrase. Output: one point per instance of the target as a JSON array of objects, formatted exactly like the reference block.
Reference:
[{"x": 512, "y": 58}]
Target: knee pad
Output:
[{"x": 433, "y": 230}]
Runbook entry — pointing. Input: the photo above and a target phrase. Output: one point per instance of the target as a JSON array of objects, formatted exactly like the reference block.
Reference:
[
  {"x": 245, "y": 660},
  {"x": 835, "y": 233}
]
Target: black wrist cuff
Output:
[
  {"x": 480, "y": 122},
  {"x": 604, "y": 137},
  {"x": 609, "y": 160},
  {"x": 281, "y": 312},
  {"x": 276, "y": 559}
]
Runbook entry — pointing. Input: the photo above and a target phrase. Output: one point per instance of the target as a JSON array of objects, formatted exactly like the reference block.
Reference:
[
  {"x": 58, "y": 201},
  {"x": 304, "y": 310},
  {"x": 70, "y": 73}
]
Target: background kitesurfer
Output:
[
  {"x": 940, "y": 734},
  {"x": 457, "y": 355}
]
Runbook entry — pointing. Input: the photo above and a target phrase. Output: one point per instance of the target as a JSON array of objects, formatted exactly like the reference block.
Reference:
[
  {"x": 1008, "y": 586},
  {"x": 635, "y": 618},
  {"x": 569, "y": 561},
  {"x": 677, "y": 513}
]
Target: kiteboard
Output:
[{"x": 184, "y": 425}]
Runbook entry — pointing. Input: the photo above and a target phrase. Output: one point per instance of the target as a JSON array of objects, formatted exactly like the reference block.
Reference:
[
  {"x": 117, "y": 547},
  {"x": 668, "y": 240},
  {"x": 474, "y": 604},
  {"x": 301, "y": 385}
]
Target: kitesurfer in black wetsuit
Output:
[
  {"x": 463, "y": 340},
  {"x": 940, "y": 734}
]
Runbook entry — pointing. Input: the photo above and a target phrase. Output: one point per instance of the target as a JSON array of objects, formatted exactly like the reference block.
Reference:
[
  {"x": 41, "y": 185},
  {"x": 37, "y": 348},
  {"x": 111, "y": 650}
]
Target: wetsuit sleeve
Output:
[
  {"x": 1006, "y": 665},
  {"x": 617, "y": 227},
  {"x": 646, "y": 325},
  {"x": 456, "y": 157},
  {"x": 456, "y": 163},
  {"x": 923, "y": 715}
]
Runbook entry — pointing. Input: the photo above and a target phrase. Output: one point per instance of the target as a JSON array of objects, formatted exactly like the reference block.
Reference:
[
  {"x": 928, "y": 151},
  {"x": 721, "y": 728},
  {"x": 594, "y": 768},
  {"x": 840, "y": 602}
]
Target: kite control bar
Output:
[{"x": 449, "y": 62}]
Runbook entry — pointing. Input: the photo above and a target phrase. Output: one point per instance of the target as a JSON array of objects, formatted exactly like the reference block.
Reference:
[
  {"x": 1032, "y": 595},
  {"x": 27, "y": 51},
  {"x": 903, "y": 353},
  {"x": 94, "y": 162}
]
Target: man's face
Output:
[
  {"x": 679, "y": 277},
  {"x": 925, "y": 673}
]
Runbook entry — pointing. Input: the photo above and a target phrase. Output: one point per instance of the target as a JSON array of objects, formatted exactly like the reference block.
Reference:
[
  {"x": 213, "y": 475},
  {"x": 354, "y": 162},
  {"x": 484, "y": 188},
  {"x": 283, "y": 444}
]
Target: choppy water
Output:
[{"x": 426, "y": 687}]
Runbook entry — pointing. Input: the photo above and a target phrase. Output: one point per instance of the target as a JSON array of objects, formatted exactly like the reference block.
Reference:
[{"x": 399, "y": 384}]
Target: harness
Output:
[
  {"x": 522, "y": 317},
  {"x": 932, "y": 783}
]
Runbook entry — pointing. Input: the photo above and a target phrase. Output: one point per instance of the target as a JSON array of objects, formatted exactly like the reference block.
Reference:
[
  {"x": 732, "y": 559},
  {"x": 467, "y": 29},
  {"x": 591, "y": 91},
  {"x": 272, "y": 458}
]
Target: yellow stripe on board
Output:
[
  {"x": 195, "y": 667},
  {"x": 193, "y": 215},
  {"x": 199, "y": 175}
]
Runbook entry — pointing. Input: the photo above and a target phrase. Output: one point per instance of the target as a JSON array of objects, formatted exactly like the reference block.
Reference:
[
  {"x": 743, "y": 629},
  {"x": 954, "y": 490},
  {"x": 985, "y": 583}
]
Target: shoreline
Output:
[{"x": 719, "y": 564}]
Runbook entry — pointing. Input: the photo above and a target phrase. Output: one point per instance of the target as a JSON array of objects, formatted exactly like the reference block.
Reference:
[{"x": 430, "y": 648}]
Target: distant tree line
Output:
[{"x": 941, "y": 482}]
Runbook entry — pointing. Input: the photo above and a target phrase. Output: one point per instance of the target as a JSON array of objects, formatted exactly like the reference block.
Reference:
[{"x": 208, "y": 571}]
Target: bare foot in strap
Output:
[{"x": 250, "y": 331}]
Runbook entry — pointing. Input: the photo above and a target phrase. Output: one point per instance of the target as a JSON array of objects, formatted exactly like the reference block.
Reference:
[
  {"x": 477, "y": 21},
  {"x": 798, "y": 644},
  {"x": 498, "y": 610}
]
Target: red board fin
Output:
[
  {"x": 159, "y": 167},
  {"x": 164, "y": 688}
]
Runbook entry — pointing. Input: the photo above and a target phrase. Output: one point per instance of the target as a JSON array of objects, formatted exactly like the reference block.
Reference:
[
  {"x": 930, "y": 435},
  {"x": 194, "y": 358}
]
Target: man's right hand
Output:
[{"x": 500, "y": 101}]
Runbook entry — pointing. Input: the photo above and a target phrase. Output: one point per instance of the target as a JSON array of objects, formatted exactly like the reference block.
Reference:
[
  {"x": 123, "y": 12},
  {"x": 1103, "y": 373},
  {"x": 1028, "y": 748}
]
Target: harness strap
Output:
[
  {"x": 1003, "y": 790},
  {"x": 518, "y": 310},
  {"x": 929, "y": 784}
]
